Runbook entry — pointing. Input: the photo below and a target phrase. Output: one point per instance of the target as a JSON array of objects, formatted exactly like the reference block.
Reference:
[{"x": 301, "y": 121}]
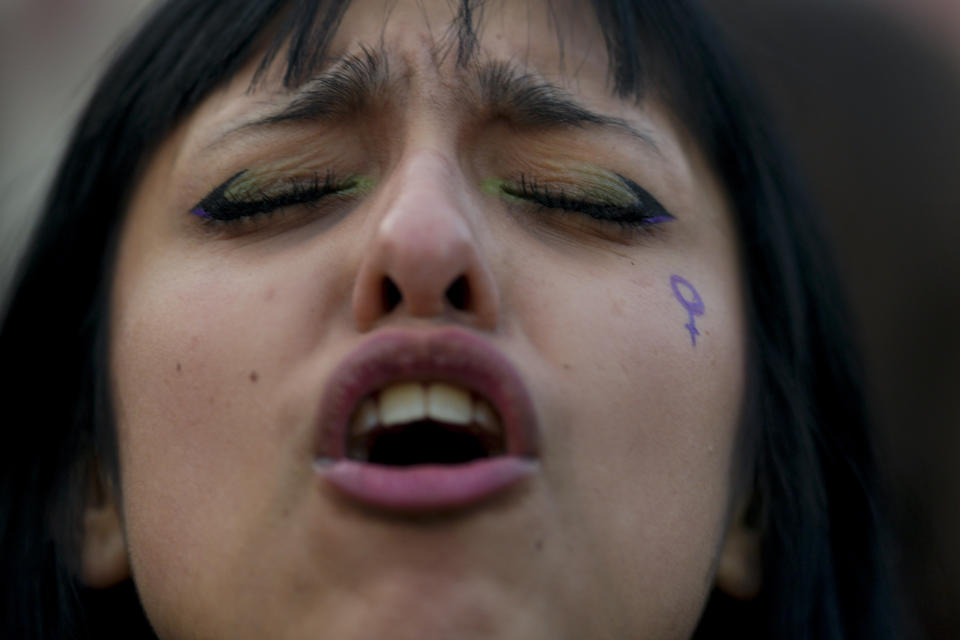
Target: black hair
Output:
[{"x": 812, "y": 470}]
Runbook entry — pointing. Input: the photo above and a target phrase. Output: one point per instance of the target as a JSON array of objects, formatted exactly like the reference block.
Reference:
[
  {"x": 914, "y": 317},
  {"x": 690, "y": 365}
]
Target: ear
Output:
[
  {"x": 740, "y": 571},
  {"x": 103, "y": 550}
]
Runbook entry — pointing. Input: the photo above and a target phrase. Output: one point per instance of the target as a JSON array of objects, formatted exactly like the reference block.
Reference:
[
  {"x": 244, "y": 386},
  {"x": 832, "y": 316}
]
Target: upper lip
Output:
[{"x": 447, "y": 355}]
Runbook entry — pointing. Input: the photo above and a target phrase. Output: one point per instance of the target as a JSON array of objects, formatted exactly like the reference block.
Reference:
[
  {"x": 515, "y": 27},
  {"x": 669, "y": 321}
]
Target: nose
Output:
[{"x": 424, "y": 260}]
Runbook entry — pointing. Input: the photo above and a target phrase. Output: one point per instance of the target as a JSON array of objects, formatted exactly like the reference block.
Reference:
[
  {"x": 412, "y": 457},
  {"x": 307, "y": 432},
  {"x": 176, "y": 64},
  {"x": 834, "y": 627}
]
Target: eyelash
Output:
[
  {"x": 644, "y": 214},
  {"x": 641, "y": 215},
  {"x": 216, "y": 208}
]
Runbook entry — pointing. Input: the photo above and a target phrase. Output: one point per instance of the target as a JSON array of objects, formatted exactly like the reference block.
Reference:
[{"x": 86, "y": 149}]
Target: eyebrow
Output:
[{"x": 354, "y": 81}]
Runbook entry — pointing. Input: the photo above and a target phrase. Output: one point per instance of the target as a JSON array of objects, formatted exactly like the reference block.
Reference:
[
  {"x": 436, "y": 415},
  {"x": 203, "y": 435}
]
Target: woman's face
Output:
[{"x": 428, "y": 350}]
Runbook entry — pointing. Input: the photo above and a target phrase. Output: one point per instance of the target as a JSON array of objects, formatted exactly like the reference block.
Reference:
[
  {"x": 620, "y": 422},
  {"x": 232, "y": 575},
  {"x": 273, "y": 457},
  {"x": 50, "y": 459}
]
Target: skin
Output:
[{"x": 224, "y": 339}]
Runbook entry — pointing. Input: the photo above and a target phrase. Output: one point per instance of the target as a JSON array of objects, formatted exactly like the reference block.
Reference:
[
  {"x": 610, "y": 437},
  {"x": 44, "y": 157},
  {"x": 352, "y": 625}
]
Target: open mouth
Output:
[{"x": 417, "y": 423}]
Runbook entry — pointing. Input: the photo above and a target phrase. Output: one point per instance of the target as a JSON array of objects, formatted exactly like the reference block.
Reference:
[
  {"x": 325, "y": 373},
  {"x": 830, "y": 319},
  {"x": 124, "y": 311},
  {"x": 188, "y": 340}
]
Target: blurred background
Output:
[
  {"x": 868, "y": 97},
  {"x": 867, "y": 94},
  {"x": 51, "y": 52}
]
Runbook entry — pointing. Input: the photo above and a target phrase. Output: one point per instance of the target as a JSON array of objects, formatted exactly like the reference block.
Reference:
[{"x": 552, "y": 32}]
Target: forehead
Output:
[
  {"x": 555, "y": 36},
  {"x": 433, "y": 47}
]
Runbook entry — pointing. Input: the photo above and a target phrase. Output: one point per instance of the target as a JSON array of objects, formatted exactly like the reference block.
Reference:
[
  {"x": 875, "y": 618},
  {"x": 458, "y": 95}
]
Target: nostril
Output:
[
  {"x": 458, "y": 293},
  {"x": 390, "y": 295}
]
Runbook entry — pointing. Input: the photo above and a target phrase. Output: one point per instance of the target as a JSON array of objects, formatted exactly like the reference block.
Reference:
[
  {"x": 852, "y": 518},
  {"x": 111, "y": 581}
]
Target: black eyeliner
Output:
[
  {"x": 216, "y": 197},
  {"x": 645, "y": 211},
  {"x": 657, "y": 213},
  {"x": 217, "y": 206}
]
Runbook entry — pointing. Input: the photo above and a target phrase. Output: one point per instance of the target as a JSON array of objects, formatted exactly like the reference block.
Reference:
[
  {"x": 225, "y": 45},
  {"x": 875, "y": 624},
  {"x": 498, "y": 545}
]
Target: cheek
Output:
[
  {"x": 643, "y": 423},
  {"x": 189, "y": 349},
  {"x": 213, "y": 447},
  {"x": 622, "y": 339}
]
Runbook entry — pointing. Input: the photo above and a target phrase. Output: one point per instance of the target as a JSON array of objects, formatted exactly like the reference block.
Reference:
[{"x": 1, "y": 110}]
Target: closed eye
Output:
[
  {"x": 236, "y": 200},
  {"x": 643, "y": 210}
]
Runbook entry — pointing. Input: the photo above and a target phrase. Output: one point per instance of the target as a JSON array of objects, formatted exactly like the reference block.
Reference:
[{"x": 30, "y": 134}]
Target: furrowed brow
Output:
[
  {"x": 532, "y": 102},
  {"x": 352, "y": 81},
  {"x": 346, "y": 86}
]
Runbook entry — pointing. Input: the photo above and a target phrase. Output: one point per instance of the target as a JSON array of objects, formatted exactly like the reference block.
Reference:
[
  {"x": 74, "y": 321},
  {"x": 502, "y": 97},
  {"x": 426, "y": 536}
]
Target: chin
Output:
[{"x": 421, "y": 608}]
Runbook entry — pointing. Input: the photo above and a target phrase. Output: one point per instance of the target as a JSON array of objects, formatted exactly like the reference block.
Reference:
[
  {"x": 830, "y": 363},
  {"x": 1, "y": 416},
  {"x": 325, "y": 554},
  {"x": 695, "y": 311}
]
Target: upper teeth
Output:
[{"x": 406, "y": 402}]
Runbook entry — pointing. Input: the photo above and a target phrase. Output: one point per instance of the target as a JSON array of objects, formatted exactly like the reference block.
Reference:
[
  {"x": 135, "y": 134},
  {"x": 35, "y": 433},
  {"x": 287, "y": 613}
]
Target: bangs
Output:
[
  {"x": 308, "y": 26},
  {"x": 631, "y": 37},
  {"x": 659, "y": 47}
]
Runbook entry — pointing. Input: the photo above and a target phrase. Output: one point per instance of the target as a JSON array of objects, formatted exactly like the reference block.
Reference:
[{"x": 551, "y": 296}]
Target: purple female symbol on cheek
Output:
[{"x": 693, "y": 304}]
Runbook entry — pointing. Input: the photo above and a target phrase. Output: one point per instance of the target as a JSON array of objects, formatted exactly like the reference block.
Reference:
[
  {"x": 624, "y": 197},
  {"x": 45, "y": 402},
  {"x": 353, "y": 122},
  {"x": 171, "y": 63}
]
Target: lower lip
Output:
[{"x": 422, "y": 488}]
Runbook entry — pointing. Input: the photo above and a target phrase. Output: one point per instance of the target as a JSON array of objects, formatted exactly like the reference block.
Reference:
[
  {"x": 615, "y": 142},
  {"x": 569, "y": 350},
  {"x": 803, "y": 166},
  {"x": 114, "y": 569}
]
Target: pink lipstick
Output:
[{"x": 417, "y": 421}]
